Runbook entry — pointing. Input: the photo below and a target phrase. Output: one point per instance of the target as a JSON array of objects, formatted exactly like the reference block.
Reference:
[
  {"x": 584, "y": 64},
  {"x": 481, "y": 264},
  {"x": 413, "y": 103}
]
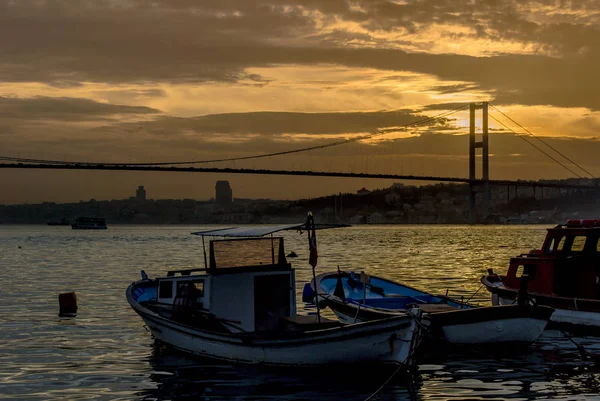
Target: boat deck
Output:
[
  {"x": 433, "y": 308},
  {"x": 202, "y": 319},
  {"x": 303, "y": 323}
]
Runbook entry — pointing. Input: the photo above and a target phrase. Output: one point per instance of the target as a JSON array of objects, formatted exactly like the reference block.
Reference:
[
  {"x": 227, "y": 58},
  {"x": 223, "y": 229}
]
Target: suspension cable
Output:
[
  {"x": 542, "y": 141},
  {"x": 523, "y": 138}
]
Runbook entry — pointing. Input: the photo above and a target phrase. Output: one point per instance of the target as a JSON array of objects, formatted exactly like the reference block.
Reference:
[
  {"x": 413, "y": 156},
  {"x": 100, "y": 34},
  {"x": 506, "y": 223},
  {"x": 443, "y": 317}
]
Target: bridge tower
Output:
[{"x": 474, "y": 184}]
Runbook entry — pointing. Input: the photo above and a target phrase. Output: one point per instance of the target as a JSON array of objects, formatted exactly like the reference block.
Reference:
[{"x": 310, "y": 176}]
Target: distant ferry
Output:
[
  {"x": 89, "y": 223},
  {"x": 62, "y": 222}
]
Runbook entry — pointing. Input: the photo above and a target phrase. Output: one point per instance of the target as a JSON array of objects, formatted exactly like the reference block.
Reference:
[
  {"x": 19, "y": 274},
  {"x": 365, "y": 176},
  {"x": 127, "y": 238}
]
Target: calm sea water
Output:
[{"x": 105, "y": 353}]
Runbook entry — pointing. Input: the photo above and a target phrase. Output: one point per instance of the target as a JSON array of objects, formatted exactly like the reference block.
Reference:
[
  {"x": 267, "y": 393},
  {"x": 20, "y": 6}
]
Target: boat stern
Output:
[{"x": 493, "y": 283}]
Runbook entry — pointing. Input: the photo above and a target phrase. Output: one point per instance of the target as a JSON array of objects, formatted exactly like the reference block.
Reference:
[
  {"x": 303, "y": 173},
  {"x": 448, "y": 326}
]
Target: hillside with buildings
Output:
[{"x": 397, "y": 204}]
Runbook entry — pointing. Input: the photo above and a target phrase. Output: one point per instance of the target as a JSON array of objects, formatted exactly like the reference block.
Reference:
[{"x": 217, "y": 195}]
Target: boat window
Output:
[
  {"x": 549, "y": 246},
  {"x": 165, "y": 289},
  {"x": 597, "y": 245},
  {"x": 191, "y": 288},
  {"x": 199, "y": 287},
  {"x": 520, "y": 270},
  {"x": 578, "y": 243},
  {"x": 561, "y": 244},
  {"x": 529, "y": 270}
]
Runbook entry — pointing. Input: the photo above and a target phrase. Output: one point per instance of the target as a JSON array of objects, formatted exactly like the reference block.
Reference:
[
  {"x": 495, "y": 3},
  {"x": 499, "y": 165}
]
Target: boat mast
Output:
[
  {"x": 204, "y": 250},
  {"x": 312, "y": 245},
  {"x": 272, "y": 250}
]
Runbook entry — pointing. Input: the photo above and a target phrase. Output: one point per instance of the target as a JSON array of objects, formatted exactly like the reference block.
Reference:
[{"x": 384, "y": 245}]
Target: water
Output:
[{"x": 106, "y": 354}]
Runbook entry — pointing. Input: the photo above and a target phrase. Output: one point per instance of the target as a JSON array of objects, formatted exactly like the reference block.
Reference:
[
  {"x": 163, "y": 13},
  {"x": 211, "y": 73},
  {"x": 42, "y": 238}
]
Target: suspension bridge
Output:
[{"x": 477, "y": 185}]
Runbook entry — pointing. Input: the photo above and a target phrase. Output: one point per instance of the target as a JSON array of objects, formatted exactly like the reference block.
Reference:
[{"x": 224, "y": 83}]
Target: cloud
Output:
[
  {"x": 445, "y": 89},
  {"x": 246, "y": 134},
  {"x": 65, "y": 109},
  {"x": 68, "y": 43},
  {"x": 163, "y": 139},
  {"x": 127, "y": 95},
  {"x": 276, "y": 123},
  {"x": 444, "y": 106}
]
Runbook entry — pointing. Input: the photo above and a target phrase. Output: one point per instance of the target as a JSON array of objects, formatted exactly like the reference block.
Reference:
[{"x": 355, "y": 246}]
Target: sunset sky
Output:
[{"x": 168, "y": 80}]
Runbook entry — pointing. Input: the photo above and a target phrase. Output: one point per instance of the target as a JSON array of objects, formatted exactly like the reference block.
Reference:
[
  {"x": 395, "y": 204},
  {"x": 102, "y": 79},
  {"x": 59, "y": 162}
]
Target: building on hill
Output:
[
  {"x": 328, "y": 215},
  {"x": 374, "y": 218},
  {"x": 363, "y": 191},
  {"x": 223, "y": 193},
  {"x": 392, "y": 198},
  {"x": 140, "y": 193}
]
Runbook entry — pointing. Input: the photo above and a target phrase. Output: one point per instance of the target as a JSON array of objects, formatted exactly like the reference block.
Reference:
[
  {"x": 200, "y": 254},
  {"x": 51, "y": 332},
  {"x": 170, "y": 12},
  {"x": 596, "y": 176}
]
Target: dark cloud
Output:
[
  {"x": 64, "y": 109},
  {"x": 79, "y": 41},
  {"x": 66, "y": 43},
  {"x": 277, "y": 123}
]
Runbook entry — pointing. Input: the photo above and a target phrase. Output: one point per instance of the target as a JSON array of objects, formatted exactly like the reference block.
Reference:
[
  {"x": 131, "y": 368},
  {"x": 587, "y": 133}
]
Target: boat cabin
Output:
[
  {"x": 246, "y": 282},
  {"x": 567, "y": 265}
]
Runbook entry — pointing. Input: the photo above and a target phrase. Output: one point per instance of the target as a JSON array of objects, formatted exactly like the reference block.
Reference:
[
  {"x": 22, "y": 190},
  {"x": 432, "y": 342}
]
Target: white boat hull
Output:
[
  {"x": 352, "y": 345},
  {"x": 497, "y": 331},
  {"x": 517, "y": 330},
  {"x": 566, "y": 317},
  {"x": 392, "y": 340}
]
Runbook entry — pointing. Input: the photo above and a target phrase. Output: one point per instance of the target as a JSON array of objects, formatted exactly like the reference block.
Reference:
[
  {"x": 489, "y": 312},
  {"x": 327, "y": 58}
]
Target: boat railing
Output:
[
  {"x": 530, "y": 255},
  {"x": 233, "y": 269},
  {"x": 185, "y": 272}
]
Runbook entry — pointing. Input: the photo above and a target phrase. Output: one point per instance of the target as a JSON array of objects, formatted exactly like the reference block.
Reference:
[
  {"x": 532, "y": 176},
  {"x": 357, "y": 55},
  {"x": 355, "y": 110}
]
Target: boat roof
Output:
[{"x": 261, "y": 230}]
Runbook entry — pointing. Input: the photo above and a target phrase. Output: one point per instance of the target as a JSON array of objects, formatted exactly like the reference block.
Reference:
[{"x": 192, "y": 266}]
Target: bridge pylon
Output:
[{"x": 484, "y": 145}]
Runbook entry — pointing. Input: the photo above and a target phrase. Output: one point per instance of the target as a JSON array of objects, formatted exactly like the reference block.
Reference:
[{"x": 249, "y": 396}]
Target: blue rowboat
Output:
[{"x": 357, "y": 297}]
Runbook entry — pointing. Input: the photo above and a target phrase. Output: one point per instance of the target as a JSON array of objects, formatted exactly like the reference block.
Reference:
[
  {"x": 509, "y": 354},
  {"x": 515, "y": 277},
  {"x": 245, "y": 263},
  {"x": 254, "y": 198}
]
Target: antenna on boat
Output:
[
  {"x": 204, "y": 250},
  {"x": 312, "y": 259},
  {"x": 272, "y": 250},
  {"x": 365, "y": 280}
]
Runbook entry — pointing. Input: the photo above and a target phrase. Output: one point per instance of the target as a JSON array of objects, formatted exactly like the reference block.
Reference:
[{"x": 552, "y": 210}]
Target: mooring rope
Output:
[
  {"x": 585, "y": 354},
  {"x": 471, "y": 297},
  {"x": 409, "y": 357},
  {"x": 376, "y": 393}
]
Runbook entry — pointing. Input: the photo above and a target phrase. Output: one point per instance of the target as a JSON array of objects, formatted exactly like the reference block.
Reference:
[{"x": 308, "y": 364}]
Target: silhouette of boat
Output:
[
  {"x": 89, "y": 223},
  {"x": 564, "y": 274}
]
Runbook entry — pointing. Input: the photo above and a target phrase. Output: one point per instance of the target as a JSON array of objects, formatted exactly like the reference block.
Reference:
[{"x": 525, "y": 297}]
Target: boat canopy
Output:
[{"x": 261, "y": 230}]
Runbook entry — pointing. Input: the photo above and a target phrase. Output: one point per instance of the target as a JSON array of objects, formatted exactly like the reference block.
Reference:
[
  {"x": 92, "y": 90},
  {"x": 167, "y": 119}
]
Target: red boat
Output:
[{"x": 564, "y": 274}]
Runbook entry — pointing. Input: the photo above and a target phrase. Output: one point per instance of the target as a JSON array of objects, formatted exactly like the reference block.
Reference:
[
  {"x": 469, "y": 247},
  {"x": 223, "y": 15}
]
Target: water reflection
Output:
[
  {"x": 180, "y": 377},
  {"x": 549, "y": 369},
  {"x": 105, "y": 353}
]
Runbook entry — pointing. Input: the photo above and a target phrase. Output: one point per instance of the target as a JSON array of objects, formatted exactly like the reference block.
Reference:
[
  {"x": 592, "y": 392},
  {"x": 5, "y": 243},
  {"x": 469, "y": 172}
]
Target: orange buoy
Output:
[{"x": 68, "y": 304}]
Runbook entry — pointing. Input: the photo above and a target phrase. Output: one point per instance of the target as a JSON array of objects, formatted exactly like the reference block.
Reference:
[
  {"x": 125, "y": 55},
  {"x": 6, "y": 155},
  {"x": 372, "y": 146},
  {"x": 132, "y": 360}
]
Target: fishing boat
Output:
[
  {"x": 358, "y": 297},
  {"x": 89, "y": 223},
  {"x": 563, "y": 274},
  {"x": 241, "y": 307}
]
